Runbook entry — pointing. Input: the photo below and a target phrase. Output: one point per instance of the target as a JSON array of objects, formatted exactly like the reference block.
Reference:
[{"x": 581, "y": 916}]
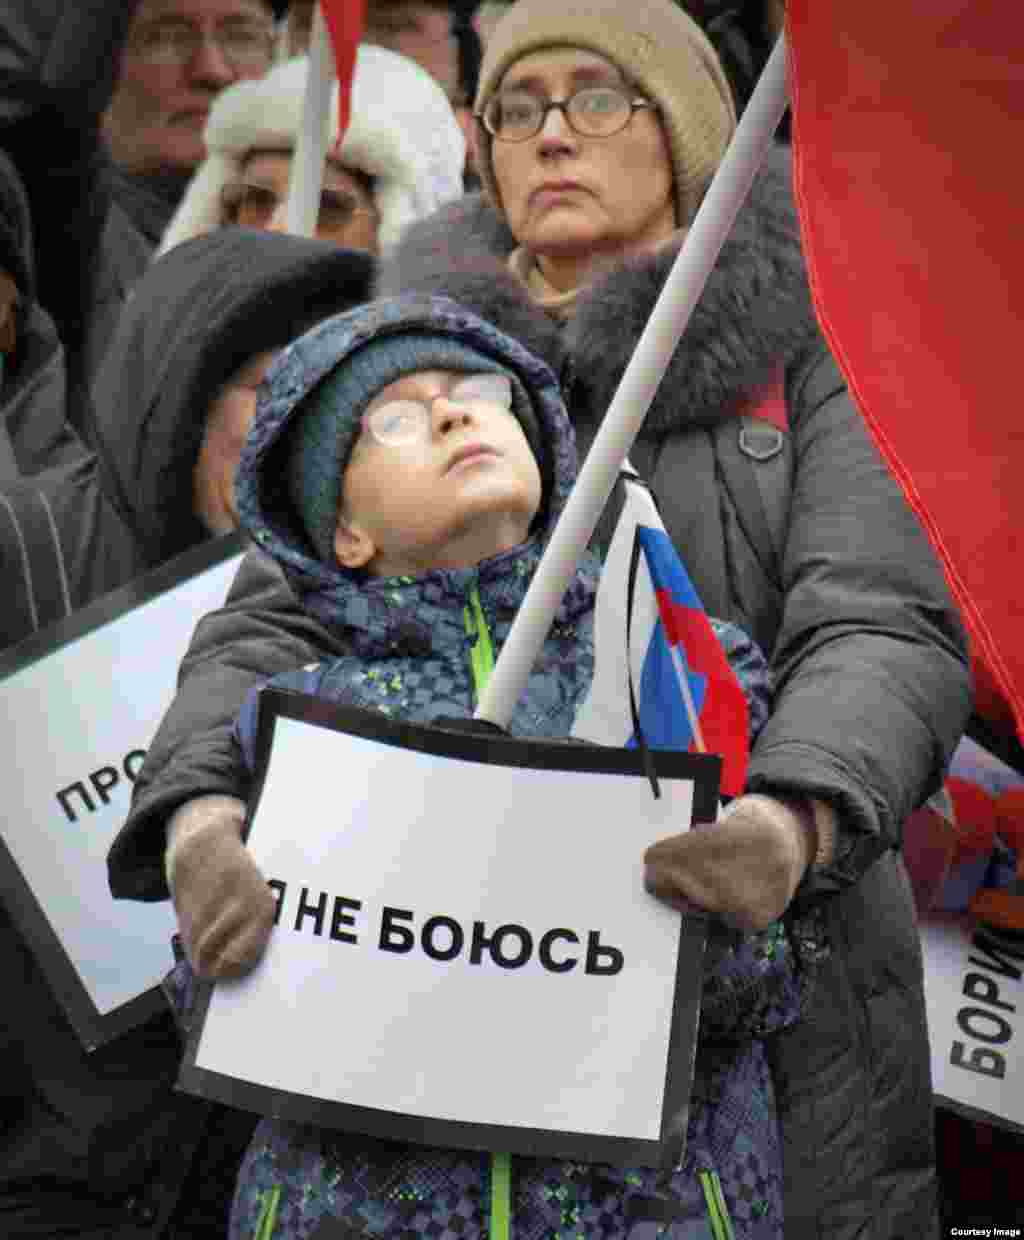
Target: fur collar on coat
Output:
[{"x": 754, "y": 315}]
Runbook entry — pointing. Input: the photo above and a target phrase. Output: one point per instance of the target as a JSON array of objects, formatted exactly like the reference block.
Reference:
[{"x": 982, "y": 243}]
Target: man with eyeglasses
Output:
[{"x": 177, "y": 57}]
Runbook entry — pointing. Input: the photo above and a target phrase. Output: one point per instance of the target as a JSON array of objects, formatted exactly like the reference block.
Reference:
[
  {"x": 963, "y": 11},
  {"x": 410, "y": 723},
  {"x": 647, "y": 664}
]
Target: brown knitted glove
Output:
[
  {"x": 745, "y": 867},
  {"x": 225, "y": 908}
]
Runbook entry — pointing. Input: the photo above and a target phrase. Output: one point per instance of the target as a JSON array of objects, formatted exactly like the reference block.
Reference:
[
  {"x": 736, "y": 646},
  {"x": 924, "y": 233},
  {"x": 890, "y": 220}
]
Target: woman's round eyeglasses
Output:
[
  {"x": 594, "y": 112},
  {"x": 401, "y": 423}
]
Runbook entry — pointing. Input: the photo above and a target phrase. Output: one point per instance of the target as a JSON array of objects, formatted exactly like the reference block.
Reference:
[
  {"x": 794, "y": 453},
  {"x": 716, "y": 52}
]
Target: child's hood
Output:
[{"x": 265, "y": 507}]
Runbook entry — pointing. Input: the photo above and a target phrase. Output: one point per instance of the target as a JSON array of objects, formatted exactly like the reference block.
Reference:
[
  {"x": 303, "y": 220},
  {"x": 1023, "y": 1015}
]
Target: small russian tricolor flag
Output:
[{"x": 687, "y": 694}]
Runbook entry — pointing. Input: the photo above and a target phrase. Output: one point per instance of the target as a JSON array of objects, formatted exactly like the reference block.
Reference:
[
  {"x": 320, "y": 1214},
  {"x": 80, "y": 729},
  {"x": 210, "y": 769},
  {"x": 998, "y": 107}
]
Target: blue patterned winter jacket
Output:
[{"x": 410, "y": 642}]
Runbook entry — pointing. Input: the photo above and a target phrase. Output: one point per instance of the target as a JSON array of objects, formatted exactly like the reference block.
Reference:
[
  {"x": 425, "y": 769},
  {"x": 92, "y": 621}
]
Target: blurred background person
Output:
[
  {"x": 178, "y": 56},
  {"x": 427, "y": 31},
  {"x": 440, "y": 35},
  {"x": 401, "y": 157},
  {"x": 176, "y": 59},
  {"x": 443, "y": 38},
  {"x": 34, "y": 432}
]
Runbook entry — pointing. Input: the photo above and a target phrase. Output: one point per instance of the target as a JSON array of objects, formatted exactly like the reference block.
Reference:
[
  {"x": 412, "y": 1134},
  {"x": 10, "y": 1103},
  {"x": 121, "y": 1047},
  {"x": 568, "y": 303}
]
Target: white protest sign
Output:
[
  {"x": 79, "y": 708},
  {"x": 462, "y": 946},
  {"x": 975, "y": 1001}
]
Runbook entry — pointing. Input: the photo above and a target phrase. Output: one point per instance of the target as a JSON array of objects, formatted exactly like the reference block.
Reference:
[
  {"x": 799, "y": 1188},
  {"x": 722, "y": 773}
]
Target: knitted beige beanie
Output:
[{"x": 659, "y": 48}]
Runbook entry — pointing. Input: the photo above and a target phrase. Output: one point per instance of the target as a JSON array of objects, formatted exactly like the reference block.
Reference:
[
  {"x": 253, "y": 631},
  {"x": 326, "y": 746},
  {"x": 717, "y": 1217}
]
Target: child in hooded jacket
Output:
[{"x": 406, "y": 467}]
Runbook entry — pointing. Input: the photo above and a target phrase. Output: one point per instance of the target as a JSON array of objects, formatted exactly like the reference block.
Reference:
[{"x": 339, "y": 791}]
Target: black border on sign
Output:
[
  {"x": 966, "y": 922},
  {"x": 977, "y": 1115},
  {"x": 491, "y": 748},
  {"x": 703, "y": 769},
  {"x": 94, "y": 1028}
]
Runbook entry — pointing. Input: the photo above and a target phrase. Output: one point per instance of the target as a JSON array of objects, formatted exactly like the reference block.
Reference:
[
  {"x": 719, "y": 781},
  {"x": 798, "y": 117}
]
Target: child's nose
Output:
[{"x": 449, "y": 414}]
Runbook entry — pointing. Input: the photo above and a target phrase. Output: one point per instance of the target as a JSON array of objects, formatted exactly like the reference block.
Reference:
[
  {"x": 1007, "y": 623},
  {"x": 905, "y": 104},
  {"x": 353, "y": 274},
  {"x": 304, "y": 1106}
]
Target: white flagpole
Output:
[
  {"x": 622, "y": 422},
  {"x": 314, "y": 135},
  {"x": 687, "y": 695}
]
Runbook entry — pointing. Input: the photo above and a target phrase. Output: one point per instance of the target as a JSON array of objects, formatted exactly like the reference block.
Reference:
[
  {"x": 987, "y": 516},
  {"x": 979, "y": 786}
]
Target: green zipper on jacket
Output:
[
  {"x": 481, "y": 656},
  {"x": 268, "y": 1215},
  {"x": 481, "y": 662},
  {"x": 718, "y": 1211}
]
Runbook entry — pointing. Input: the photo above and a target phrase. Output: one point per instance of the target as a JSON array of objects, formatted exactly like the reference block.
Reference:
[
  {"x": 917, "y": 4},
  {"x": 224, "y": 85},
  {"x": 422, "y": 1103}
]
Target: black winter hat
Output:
[{"x": 196, "y": 315}]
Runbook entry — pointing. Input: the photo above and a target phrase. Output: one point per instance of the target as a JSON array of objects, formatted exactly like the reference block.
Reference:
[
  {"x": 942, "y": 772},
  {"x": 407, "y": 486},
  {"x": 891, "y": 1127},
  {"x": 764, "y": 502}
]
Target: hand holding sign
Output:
[
  {"x": 745, "y": 869},
  {"x": 428, "y": 966},
  {"x": 225, "y": 908}
]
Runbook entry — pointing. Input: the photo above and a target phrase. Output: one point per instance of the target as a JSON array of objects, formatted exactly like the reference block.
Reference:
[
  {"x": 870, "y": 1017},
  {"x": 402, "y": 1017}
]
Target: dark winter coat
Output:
[
  {"x": 869, "y": 659},
  {"x": 101, "y": 1142},
  {"x": 139, "y": 211},
  {"x": 58, "y": 64},
  {"x": 34, "y": 431},
  {"x": 96, "y": 227},
  {"x": 69, "y": 536}
]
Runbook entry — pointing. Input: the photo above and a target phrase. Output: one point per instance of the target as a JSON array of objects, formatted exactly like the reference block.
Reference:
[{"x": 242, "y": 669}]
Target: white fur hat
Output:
[{"x": 403, "y": 133}]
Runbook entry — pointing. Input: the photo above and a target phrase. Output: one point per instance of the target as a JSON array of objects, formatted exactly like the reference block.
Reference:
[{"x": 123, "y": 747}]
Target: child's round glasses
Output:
[
  {"x": 594, "y": 112},
  {"x": 400, "y": 423}
]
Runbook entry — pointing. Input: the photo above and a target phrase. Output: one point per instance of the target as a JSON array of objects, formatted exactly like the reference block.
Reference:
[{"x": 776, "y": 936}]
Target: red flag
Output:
[
  {"x": 907, "y": 133},
  {"x": 344, "y": 20}
]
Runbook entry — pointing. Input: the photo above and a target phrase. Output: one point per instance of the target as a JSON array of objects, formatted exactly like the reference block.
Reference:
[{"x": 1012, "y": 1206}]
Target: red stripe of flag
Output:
[
  {"x": 907, "y": 130},
  {"x": 724, "y": 717},
  {"x": 345, "y": 20}
]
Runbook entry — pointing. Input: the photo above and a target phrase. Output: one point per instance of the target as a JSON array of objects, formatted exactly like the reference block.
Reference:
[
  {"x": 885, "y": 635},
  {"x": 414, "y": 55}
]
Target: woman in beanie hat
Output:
[
  {"x": 600, "y": 125},
  {"x": 401, "y": 157},
  {"x": 646, "y": 116}
]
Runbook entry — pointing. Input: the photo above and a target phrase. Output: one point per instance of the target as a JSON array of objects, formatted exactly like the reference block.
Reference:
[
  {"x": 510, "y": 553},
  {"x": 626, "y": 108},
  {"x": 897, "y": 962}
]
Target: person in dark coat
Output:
[
  {"x": 97, "y": 90},
  {"x": 199, "y": 317},
  {"x": 34, "y": 431},
  {"x": 867, "y": 651},
  {"x": 99, "y": 1145},
  {"x": 57, "y": 70}
]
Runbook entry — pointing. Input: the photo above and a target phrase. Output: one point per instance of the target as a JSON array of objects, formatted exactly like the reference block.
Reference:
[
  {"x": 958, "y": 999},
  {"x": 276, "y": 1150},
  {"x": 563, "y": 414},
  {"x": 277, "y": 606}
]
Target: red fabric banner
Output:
[
  {"x": 907, "y": 127},
  {"x": 345, "y": 20}
]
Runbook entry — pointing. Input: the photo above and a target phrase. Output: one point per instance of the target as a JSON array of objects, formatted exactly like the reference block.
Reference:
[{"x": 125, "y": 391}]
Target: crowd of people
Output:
[{"x": 514, "y": 186}]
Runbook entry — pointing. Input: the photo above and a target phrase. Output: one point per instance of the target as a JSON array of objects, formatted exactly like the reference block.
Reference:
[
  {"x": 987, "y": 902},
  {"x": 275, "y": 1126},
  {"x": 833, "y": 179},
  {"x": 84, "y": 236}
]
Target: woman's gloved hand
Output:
[
  {"x": 225, "y": 908},
  {"x": 746, "y": 867}
]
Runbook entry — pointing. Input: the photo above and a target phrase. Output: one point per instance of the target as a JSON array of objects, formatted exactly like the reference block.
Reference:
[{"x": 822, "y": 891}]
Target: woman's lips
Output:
[{"x": 551, "y": 191}]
